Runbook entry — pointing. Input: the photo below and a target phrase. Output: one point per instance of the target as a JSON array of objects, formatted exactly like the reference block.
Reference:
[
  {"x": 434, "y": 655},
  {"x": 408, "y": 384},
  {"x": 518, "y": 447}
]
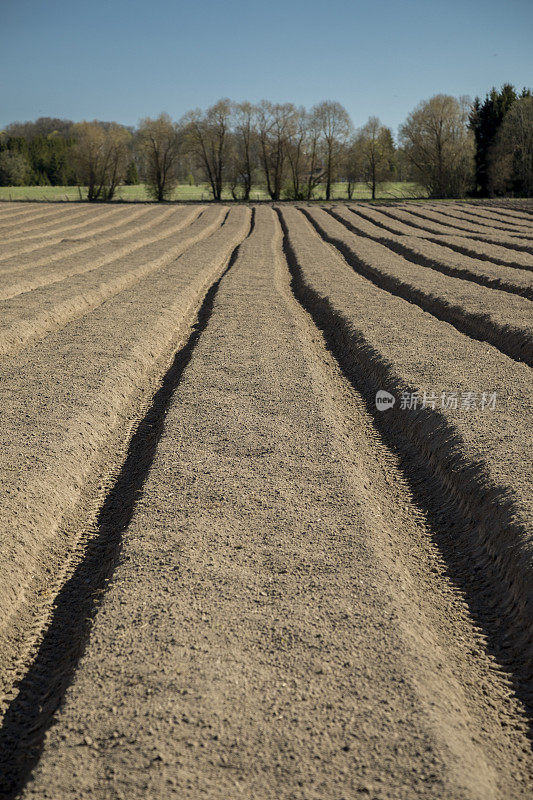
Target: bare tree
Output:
[
  {"x": 375, "y": 152},
  {"x": 351, "y": 166},
  {"x": 244, "y": 150},
  {"x": 119, "y": 143},
  {"x": 297, "y": 157},
  {"x": 160, "y": 146},
  {"x": 208, "y": 137},
  {"x": 439, "y": 144},
  {"x": 88, "y": 156},
  {"x": 274, "y": 122},
  {"x": 335, "y": 127},
  {"x": 314, "y": 168},
  {"x": 100, "y": 157},
  {"x": 511, "y": 158}
]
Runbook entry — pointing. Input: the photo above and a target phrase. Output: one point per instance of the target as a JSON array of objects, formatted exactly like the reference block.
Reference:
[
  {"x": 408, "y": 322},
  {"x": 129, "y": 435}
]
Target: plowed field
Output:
[{"x": 266, "y": 509}]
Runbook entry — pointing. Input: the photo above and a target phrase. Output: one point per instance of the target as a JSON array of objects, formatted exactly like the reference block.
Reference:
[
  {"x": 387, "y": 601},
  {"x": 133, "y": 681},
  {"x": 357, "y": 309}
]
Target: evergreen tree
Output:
[
  {"x": 511, "y": 157},
  {"x": 132, "y": 176},
  {"x": 485, "y": 120}
]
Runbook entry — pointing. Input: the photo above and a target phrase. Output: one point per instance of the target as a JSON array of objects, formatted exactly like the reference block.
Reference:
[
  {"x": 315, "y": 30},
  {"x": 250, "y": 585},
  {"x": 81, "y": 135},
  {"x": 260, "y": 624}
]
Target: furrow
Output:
[
  {"x": 80, "y": 393},
  {"x": 479, "y": 215},
  {"x": 376, "y": 216},
  {"x": 472, "y": 309},
  {"x": 30, "y": 223},
  {"x": 29, "y": 317},
  {"x": 257, "y": 573},
  {"x": 9, "y": 209},
  {"x": 55, "y": 253},
  {"x": 465, "y": 225},
  {"x": 516, "y": 213},
  {"x": 428, "y": 228},
  {"x": 97, "y": 254},
  {"x": 480, "y": 462},
  {"x": 492, "y": 253},
  {"x": 426, "y": 253},
  {"x": 51, "y": 227},
  {"x": 12, "y": 211},
  {"x": 466, "y": 246},
  {"x": 88, "y": 227}
]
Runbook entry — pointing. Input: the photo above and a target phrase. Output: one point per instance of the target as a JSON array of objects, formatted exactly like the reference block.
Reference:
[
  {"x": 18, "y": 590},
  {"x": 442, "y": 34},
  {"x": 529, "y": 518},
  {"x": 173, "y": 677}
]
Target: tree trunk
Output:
[{"x": 329, "y": 171}]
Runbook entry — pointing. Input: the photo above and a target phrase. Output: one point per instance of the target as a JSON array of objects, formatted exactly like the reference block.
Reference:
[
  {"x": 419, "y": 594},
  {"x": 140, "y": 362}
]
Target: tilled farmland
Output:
[{"x": 266, "y": 508}]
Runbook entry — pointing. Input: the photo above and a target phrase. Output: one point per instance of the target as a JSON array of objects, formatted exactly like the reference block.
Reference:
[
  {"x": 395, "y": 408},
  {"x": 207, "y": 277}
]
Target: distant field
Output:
[{"x": 201, "y": 192}]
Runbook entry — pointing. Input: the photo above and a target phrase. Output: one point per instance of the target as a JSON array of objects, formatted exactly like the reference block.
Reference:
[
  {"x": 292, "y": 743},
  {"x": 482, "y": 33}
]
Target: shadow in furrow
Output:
[
  {"x": 472, "y": 521},
  {"x": 42, "y": 688},
  {"x": 457, "y": 248},
  {"x": 513, "y": 342},
  {"x": 507, "y": 209},
  {"x": 468, "y": 251},
  {"x": 472, "y": 216},
  {"x": 465, "y": 235},
  {"x": 437, "y": 266},
  {"x": 461, "y": 231}
]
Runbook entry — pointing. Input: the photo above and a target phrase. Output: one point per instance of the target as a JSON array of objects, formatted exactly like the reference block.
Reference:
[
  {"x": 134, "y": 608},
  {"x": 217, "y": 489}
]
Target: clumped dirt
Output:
[{"x": 226, "y": 572}]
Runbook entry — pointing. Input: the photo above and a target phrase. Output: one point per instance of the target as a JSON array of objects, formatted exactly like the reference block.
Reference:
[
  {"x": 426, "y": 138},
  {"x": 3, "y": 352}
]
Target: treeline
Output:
[{"x": 449, "y": 146}]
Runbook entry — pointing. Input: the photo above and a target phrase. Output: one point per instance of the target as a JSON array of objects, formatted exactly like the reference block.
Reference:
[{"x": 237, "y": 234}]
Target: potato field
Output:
[{"x": 266, "y": 508}]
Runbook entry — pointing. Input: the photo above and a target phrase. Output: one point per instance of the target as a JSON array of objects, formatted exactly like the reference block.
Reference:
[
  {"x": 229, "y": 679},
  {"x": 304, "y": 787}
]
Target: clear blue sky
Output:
[{"x": 125, "y": 59}]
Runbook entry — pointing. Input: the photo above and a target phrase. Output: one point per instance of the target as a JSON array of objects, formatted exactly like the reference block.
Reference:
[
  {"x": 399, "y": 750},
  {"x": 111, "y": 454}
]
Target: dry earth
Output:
[{"x": 225, "y": 572}]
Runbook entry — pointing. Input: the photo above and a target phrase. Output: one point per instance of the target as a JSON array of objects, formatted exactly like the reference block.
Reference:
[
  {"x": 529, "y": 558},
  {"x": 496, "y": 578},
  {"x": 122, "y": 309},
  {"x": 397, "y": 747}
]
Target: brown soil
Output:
[
  {"x": 225, "y": 572},
  {"x": 430, "y": 253}
]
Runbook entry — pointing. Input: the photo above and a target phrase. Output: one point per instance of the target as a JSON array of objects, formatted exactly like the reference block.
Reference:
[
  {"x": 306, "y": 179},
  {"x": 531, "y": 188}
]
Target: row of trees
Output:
[
  {"x": 287, "y": 149},
  {"x": 450, "y": 147}
]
